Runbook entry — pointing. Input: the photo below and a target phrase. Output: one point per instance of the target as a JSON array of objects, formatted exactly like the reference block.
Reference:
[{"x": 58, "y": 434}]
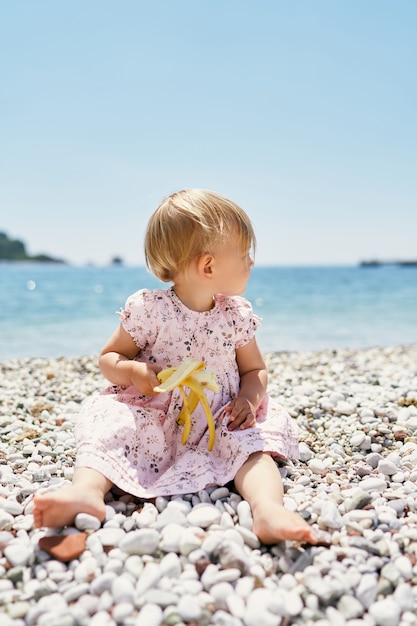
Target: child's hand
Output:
[
  {"x": 242, "y": 414},
  {"x": 144, "y": 378}
]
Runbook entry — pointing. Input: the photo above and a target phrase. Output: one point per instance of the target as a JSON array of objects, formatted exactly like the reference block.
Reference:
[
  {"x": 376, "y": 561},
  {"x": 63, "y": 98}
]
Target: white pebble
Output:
[
  {"x": 330, "y": 516},
  {"x": 357, "y": 439},
  {"x": 11, "y": 506},
  {"x": 102, "y": 618},
  {"x": 103, "y": 582},
  {"x": 170, "y": 538},
  {"x": 189, "y": 541},
  {"x": 122, "y": 611},
  {"x": 110, "y": 536},
  {"x": 245, "y": 514},
  {"x": 149, "y": 615},
  {"x": 316, "y": 465},
  {"x": 86, "y": 570},
  {"x": 387, "y": 468},
  {"x": 293, "y": 603},
  {"x": 189, "y": 608},
  {"x": 404, "y": 566},
  {"x": 18, "y": 553},
  {"x": 344, "y": 408},
  {"x": 305, "y": 453},
  {"x": 83, "y": 521},
  {"x": 403, "y": 595},
  {"x": 149, "y": 577},
  {"x": 385, "y": 612},
  {"x": 249, "y": 537},
  {"x": 220, "y": 592},
  {"x": 147, "y": 516},
  {"x": 6, "y": 520},
  {"x": 142, "y": 541},
  {"x": 171, "y": 565},
  {"x": 373, "y": 484},
  {"x": 257, "y": 611},
  {"x": 204, "y": 515},
  {"x": 122, "y": 589},
  {"x": 235, "y": 605}
]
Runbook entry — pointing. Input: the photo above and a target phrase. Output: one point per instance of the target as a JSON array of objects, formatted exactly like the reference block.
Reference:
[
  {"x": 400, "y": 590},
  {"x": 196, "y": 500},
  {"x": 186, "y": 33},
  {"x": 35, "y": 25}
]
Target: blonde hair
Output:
[{"x": 188, "y": 224}]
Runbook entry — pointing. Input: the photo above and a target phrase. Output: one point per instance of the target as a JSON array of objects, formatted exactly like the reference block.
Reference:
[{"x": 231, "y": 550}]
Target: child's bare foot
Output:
[
  {"x": 276, "y": 523},
  {"x": 59, "y": 508}
]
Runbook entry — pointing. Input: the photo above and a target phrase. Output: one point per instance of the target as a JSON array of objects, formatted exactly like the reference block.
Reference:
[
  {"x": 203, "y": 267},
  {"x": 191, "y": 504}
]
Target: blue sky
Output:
[{"x": 303, "y": 112}]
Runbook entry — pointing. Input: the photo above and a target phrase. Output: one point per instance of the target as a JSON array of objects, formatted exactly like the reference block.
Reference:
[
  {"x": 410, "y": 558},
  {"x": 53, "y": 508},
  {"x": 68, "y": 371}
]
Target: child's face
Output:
[{"x": 233, "y": 267}]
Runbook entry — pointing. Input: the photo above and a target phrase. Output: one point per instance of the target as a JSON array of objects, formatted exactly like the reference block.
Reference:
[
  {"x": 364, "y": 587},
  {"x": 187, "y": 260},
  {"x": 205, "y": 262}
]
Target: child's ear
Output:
[{"x": 205, "y": 266}]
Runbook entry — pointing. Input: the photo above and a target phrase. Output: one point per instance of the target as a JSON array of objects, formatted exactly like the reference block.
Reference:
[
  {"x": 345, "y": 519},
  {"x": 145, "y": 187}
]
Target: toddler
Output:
[{"x": 127, "y": 436}]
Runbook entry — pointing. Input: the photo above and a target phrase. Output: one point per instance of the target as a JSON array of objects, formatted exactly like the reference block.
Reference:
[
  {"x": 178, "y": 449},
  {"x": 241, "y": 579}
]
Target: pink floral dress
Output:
[{"x": 134, "y": 440}]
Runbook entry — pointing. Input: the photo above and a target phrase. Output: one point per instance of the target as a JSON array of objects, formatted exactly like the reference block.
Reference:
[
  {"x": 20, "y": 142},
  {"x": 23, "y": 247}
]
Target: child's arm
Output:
[
  {"x": 117, "y": 364},
  {"x": 253, "y": 382}
]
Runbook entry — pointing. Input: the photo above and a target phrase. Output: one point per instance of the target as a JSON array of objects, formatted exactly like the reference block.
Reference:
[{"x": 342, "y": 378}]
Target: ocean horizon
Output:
[{"x": 54, "y": 310}]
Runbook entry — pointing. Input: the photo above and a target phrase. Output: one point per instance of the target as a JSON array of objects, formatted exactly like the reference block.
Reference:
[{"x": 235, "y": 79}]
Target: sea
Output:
[{"x": 53, "y": 310}]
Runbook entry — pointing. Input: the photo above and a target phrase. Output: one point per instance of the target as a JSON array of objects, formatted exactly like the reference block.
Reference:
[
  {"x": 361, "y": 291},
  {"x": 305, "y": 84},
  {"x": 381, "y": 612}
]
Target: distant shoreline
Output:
[
  {"x": 376, "y": 263},
  {"x": 40, "y": 258},
  {"x": 14, "y": 250}
]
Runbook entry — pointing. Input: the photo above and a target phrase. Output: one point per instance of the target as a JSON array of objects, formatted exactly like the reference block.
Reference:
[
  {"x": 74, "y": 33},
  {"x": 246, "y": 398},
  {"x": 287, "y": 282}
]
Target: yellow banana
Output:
[
  {"x": 194, "y": 386},
  {"x": 190, "y": 404},
  {"x": 186, "y": 420},
  {"x": 163, "y": 375},
  {"x": 205, "y": 379},
  {"x": 174, "y": 376},
  {"x": 190, "y": 374}
]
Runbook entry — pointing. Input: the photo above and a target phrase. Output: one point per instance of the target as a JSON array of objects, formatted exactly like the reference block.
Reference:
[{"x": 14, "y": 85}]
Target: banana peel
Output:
[{"x": 190, "y": 374}]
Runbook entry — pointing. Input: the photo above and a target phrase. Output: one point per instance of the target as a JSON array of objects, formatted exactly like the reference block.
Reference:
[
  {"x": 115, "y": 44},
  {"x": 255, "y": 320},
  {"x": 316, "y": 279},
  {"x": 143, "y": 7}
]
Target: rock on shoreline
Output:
[{"x": 194, "y": 559}]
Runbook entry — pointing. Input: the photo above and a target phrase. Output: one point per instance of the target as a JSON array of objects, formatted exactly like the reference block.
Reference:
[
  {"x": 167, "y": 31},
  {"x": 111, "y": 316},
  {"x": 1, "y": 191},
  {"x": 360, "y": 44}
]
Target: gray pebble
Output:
[{"x": 195, "y": 556}]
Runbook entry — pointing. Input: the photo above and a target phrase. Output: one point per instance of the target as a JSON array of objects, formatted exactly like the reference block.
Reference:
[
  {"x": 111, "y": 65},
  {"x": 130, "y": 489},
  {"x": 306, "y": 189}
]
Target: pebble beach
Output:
[{"x": 194, "y": 560}]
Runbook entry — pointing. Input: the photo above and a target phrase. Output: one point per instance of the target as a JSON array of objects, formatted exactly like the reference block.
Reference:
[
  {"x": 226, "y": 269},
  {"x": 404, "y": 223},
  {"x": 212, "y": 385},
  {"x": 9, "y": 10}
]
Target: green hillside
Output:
[{"x": 15, "y": 250}]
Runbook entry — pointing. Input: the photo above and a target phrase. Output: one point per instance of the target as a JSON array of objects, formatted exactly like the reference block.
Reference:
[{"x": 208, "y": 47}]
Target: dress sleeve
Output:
[
  {"x": 245, "y": 321},
  {"x": 139, "y": 317}
]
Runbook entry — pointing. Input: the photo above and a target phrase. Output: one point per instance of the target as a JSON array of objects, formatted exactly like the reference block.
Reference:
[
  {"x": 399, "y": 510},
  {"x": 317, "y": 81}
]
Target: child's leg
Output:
[
  {"x": 85, "y": 495},
  {"x": 259, "y": 482}
]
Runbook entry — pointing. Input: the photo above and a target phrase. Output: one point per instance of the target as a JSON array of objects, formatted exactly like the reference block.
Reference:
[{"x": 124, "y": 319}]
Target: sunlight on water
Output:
[{"x": 49, "y": 310}]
